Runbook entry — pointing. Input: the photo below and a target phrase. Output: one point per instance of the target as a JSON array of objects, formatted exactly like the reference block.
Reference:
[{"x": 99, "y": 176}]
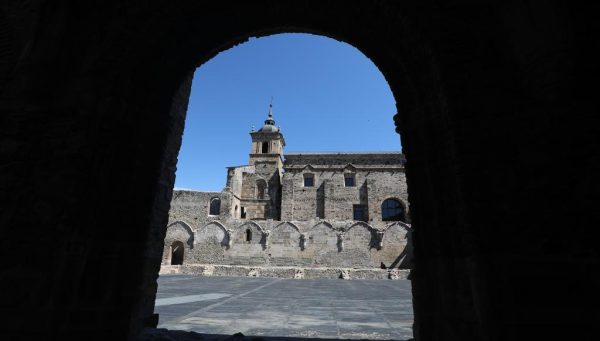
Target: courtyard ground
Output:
[{"x": 275, "y": 307}]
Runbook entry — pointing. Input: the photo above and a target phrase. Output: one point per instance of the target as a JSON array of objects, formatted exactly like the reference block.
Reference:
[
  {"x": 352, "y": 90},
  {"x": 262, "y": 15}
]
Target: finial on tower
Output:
[{"x": 269, "y": 126}]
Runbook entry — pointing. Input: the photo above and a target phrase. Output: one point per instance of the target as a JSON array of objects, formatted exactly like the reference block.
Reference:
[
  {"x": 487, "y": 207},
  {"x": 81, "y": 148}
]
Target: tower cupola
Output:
[
  {"x": 269, "y": 126},
  {"x": 267, "y": 142}
]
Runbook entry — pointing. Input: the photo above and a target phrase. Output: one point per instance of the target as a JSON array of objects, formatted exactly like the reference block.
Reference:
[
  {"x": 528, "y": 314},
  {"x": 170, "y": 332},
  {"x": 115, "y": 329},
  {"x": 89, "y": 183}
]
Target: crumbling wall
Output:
[{"x": 319, "y": 243}]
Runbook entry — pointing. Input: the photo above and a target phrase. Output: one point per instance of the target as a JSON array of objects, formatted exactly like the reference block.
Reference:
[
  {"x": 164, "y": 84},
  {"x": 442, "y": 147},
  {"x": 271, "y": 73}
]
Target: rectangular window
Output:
[
  {"x": 349, "y": 180},
  {"x": 309, "y": 180},
  {"x": 359, "y": 212},
  {"x": 243, "y": 212}
]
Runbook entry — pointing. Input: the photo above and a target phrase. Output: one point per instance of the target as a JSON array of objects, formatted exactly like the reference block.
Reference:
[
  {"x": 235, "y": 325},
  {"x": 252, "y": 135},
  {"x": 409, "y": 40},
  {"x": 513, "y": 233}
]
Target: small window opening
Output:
[
  {"x": 177, "y": 253},
  {"x": 359, "y": 212},
  {"x": 243, "y": 212},
  {"x": 265, "y": 147},
  {"x": 349, "y": 180},
  {"x": 215, "y": 206},
  {"x": 248, "y": 235},
  {"x": 309, "y": 180}
]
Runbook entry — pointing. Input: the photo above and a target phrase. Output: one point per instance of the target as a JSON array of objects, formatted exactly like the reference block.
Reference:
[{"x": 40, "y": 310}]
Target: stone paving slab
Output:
[{"x": 297, "y": 308}]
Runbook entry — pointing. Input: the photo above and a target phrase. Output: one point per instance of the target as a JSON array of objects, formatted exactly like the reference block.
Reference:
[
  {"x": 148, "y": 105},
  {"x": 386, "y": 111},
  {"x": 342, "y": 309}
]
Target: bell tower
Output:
[
  {"x": 266, "y": 156},
  {"x": 267, "y": 142}
]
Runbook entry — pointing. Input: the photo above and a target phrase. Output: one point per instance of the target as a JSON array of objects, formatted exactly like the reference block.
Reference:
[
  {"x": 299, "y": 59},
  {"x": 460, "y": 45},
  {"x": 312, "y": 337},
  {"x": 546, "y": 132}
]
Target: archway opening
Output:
[
  {"x": 177, "y": 253},
  {"x": 340, "y": 160}
]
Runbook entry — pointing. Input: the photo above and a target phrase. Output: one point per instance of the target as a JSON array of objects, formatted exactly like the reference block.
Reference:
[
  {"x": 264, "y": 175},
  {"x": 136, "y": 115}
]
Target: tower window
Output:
[
  {"x": 215, "y": 206},
  {"x": 260, "y": 189},
  {"x": 359, "y": 212},
  {"x": 242, "y": 212},
  {"x": 392, "y": 210},
  {"x": 265, "y": 147},
  {"x": 248, "y": 235},
  {"x": 309, "y": 180},
  {"x": 349, "y": 180}
]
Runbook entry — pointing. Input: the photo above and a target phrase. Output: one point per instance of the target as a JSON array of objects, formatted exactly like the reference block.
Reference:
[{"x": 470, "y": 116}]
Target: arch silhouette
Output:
[
  {"x": 402, "y": 224},
  {"x": 361, "y": 223},
  {"x": 419, "y": 71},
  {"x": 287, "y": 223},
  {"x": 223, "y": 228},
  {"x": 251, "y": 222},
  {"x": 215, "y": 222},
  {"x": 186, "y": 227}
]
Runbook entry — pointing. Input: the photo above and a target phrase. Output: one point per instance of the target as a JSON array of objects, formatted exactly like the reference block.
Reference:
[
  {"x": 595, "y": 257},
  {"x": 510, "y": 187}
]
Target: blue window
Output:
[{"x": 392, "y": 210}]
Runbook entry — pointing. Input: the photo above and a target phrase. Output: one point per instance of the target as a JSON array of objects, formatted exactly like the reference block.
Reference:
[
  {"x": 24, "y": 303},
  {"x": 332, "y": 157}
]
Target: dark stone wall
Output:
[{"x": 496, "y": 110}]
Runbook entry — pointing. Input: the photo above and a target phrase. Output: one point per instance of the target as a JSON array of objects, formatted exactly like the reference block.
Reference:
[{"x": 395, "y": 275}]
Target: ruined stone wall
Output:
[
  {"x": 193, "y": 207},
  {"x": 235, "y": 178},
  {"x": 225, "y": 240},
  {"x": 316, "y": 243}
]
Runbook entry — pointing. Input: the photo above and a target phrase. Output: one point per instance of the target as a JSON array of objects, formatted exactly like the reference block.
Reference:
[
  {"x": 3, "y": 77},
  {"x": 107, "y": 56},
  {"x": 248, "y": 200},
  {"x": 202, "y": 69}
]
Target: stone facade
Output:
[{"x": 344, "y": 210}]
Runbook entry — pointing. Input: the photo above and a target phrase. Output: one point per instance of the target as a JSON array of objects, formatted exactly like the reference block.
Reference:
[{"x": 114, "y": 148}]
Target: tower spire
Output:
[{"x": 270, "y": 120}]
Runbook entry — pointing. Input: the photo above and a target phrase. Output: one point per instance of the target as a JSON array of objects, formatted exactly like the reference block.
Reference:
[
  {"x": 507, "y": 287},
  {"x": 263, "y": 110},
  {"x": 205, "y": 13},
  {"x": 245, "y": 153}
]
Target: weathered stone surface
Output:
[
  {"x": 284, "y": 271},
  {"x": 318, "y": 226},
  {"x": 275, "y": 243}
]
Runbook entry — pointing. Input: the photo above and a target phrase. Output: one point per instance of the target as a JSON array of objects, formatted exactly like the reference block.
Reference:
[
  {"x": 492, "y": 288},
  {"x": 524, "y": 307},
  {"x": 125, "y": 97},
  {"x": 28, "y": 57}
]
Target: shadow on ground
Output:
[{"x": 160, "y": 334}]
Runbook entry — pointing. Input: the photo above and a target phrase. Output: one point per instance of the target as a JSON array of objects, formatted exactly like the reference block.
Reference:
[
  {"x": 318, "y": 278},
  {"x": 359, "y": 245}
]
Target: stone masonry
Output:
[{"x": 332, "y": 210}]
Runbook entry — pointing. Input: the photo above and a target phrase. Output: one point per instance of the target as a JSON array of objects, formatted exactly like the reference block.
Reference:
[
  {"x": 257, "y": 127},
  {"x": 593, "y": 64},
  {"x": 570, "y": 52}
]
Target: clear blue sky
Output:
[{"x": 327, "y": 96}]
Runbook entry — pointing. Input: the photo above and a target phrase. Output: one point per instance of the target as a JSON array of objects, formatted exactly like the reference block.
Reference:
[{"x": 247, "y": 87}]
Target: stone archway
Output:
[
  {"x": 96, "y": 105},
  {"x": 411, "y": 75},
  {"x": 177, "y": 253}
]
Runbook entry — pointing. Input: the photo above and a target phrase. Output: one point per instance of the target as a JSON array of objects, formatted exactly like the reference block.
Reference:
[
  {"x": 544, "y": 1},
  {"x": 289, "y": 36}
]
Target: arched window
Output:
[
  {"x": 177, "y": 253},
  {"x": 260, "y": 189},
  {"x": 248, "y": 235},
  {"x": 215, "y": 206},
  {"x": 392, "y": 210},
  {"x": 265, "y": 147}
]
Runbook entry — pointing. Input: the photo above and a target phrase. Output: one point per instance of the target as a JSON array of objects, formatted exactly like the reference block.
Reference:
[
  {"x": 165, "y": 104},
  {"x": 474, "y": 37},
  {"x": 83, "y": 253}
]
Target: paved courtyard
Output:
[{"x": 303, "y": 308}]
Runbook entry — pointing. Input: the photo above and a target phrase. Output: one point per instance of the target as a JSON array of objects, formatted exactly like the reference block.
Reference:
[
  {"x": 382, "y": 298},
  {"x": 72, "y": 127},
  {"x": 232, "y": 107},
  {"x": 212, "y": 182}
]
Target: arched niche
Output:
[
  {"x": 212, "y": 233},
  {"x": 211, "y": 244},
  {"x": 361, "y": 236},
  {"x": 285, "y": 245},
  {"x": 322, "y": 244},
  {"x": 248, "y": 252},
  {"x": 182, "y": 231},
  {"x": 395, "y": 250}
]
